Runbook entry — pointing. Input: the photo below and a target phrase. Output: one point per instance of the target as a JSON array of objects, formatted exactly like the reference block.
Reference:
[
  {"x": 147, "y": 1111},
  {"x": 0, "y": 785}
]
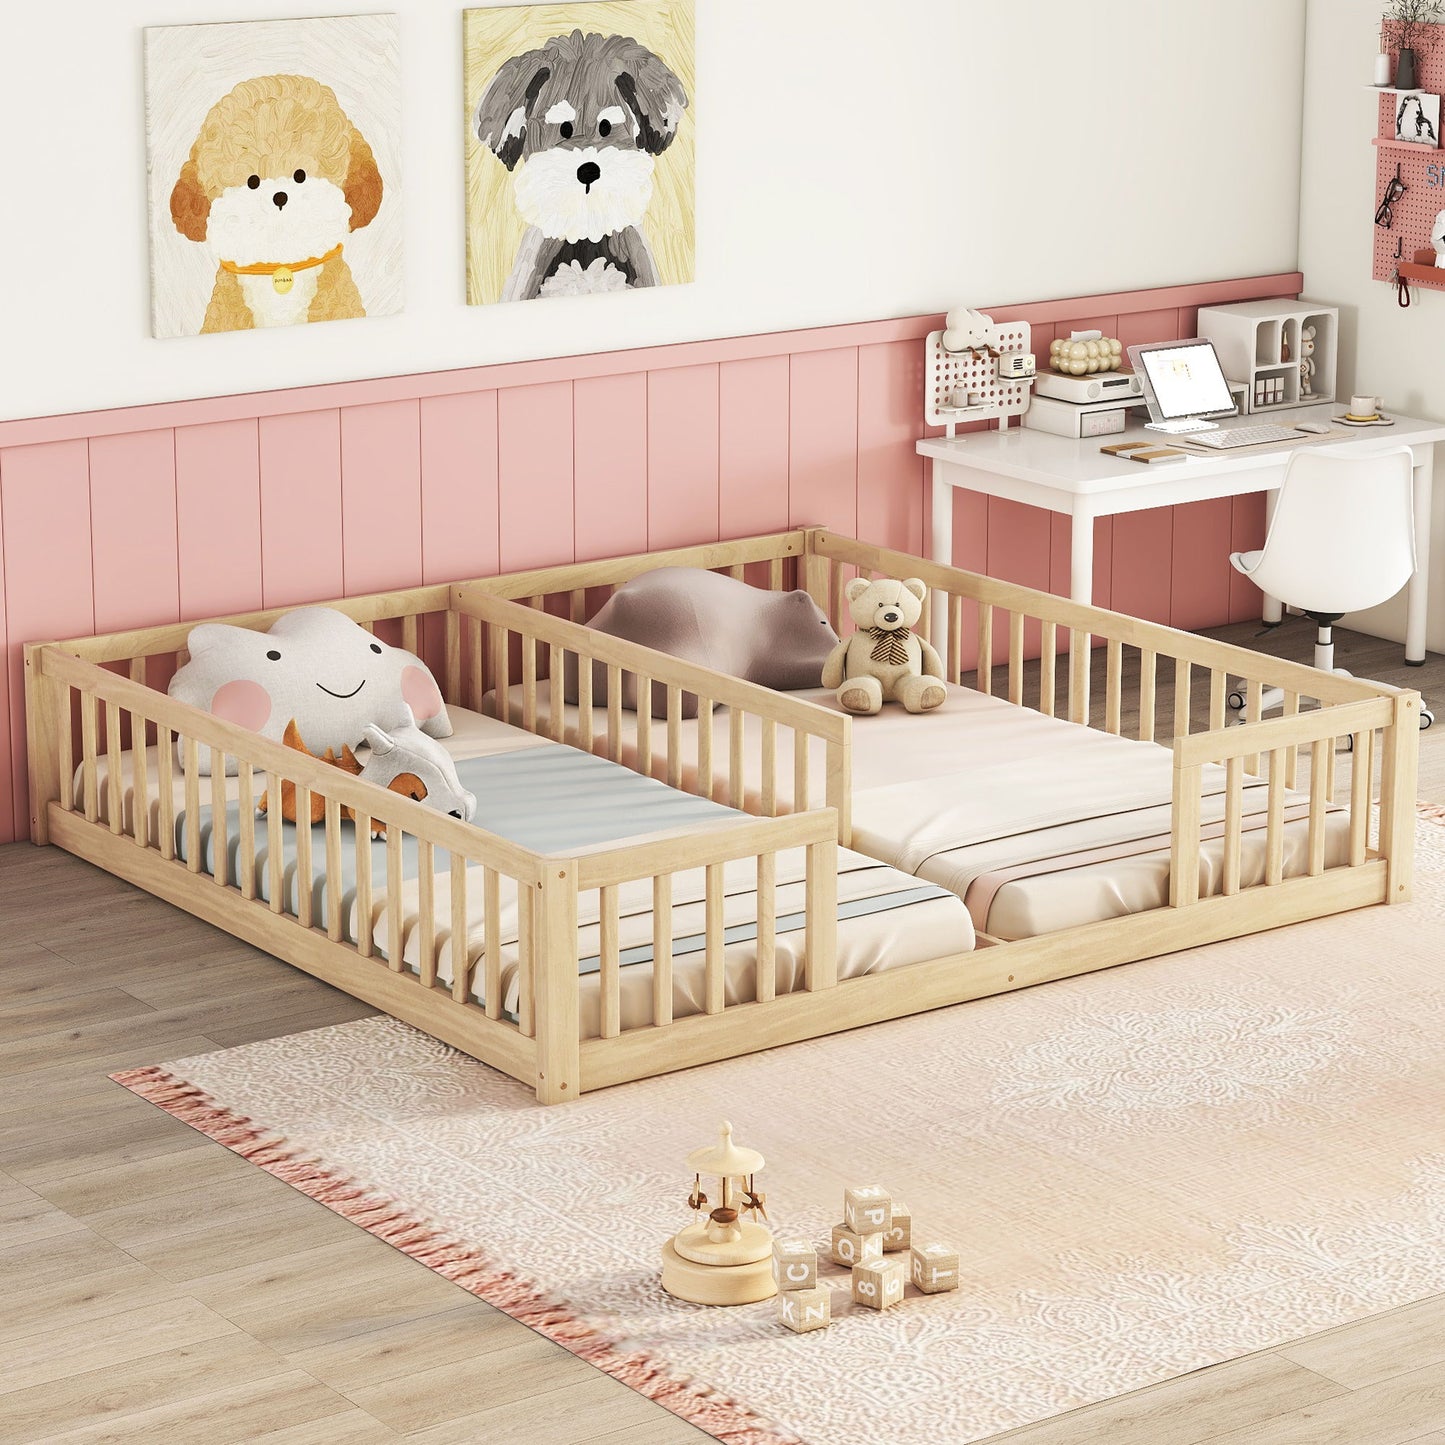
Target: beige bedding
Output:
[{"x": 1037, "y": 823}]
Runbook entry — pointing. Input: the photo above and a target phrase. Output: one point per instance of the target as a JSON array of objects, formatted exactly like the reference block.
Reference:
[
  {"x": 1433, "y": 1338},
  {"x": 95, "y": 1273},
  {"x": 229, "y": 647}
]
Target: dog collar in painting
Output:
[{"x": 282, "y": 273}]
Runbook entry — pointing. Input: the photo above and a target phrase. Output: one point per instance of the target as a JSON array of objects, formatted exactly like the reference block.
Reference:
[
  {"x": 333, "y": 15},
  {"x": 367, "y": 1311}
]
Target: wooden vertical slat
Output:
[
  {"x": 1290, "y": 708},
  {"x": 1274, "y": 821},
  {"x": 1218, "y": 686},
  {"x": 452, "y": 646},
  {"x": 115, "y": 789},
  {"x": 305, "y": 872},
  {"x": 1048, "y": 663},
  {"x": 662, "y": 949},
  {"x": 1183, "y": 701},
  {"x": 1113, "y": 686},
  {"x": 1016, "y": 658},
  {"x": 527, "y": 961},
  {"x": 246, "y": 823},
  {"x": 770, "y": 767},
  {"x": 426, "y": 893},
  {"x": 502, "y": 671},
  {"x": 1330, "y": 775},
  {"x": 767, "y": 915},
  {"x": 1148, "y": 662},
  {"x": 554, "y": 967},
  {"x": 1184, "y": 844},
  {"x": 1254, "y": 695},
  {"x": 394, "y": 921},
  {"x": 335, "y": 886},
  {"x": 1079, "y": 660},
  {"x": 64, "y": 746},
  {"x": 365, "y": 923},
  {"x": 1322, "y": 764},
  {"x": 190, "y": 767},
  {"x": 674, "y": 735},
  {"x": 737, "y": 728},
  {"x": 643, "y": 717},
  {"x": 585, "y": 731},
  {"x": 529, "y": 683},
  {"x": 409, "y": 632},
  {"x": 492, "y": 942},
  {"x": 614, "y": 713},
  {"x": 220, "y": 830},
  {"x": 1361, "y": 769},
  {"x": 457, "y": 937},
  {"x": 1233, "y": 824},
  {"x": 704, "y": 747},
  {"x": 800, "y": 770},
  {"x": 556, "y": 696},
  {"x": 140, "y": 781},
  {"x": 984, "y": 675},
  {"x": 955, "y": 639},
  {"x": 275, "y": 861},
  {"x": 714, "y": 980},
  {"x": 477, "y": 654},
  {"x": 166, "y": 792},
  {"x": 775, "y": 574},
  {"x": 609, "y": 962}
]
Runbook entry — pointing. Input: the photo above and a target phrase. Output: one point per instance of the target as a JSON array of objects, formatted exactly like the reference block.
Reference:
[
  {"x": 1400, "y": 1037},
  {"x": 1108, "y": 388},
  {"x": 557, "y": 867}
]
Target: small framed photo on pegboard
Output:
[{"x": 1417, "y": 117}]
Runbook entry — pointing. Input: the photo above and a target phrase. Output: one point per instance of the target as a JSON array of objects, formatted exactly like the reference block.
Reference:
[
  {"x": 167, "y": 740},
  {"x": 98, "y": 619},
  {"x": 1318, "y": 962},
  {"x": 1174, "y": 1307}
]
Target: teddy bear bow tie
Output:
[{"x": 888, "y": 644}]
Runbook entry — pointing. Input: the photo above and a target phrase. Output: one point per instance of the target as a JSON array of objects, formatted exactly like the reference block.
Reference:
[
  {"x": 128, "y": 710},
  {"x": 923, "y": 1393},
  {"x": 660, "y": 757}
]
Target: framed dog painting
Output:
[
  {"x": 579, "y": 148},
  {"x": 275, "y": 178}
]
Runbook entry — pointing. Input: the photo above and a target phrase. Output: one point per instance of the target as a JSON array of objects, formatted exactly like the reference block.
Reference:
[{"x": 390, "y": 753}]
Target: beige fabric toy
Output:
[{"x": 884, "y": 660}]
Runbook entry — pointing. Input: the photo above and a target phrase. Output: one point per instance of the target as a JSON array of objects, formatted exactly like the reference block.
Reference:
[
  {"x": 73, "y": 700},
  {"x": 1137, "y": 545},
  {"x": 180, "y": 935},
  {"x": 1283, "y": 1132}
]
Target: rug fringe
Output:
[{"x": 726, "y": 1419}]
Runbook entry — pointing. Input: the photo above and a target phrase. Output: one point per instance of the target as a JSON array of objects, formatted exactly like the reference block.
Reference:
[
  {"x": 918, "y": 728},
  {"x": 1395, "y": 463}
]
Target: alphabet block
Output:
[
  {"x": 850, "y": 1248},
  {"x": 935, "y": 1268},
  {"x": 795, "y": 1264},
  {"x": 802, "y": 1310},
  {"x": 899, "y": 1234},
  {"x": 878, "y": 1283},
  {"x": 867, "y": 1209}
]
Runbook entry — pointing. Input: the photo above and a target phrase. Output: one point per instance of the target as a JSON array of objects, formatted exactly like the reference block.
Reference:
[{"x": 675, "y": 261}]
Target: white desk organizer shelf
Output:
[
  {"x": 975, "y": 373},
  {"x": 1259, "y": 343}
]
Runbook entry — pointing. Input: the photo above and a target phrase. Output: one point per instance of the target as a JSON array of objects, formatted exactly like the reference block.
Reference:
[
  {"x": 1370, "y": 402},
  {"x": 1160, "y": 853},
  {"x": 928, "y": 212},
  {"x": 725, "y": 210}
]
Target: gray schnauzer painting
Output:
[{"x": 579, "y": 163}]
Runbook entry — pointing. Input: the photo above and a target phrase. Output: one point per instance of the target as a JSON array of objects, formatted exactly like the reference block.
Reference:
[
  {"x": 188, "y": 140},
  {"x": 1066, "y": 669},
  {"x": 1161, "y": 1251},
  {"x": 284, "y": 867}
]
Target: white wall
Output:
[
  {"x": 856, "y": 159},
  {"x": 1385, "y": 350}
]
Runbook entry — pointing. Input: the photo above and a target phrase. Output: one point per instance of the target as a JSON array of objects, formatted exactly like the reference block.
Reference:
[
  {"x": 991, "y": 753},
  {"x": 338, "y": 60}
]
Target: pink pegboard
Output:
[{"x": 1415, "y": 211}]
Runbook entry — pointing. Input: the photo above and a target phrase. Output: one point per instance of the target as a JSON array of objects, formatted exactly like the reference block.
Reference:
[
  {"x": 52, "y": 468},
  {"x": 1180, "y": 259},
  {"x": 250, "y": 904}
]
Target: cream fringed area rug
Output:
[{"x": 1145, "y": 1171}]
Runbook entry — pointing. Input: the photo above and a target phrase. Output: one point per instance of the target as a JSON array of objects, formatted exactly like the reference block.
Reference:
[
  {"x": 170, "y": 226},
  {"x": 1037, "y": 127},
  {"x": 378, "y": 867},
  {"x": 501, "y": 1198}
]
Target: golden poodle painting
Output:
[
  {"x": 274, "y": 171},
  {"x": 579, "y": 148}
]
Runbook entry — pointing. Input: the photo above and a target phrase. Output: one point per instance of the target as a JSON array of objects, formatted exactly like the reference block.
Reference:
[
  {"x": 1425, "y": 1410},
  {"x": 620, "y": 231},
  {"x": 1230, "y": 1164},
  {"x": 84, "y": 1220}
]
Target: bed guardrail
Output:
[
  {"x": 1160, "y": 671},
  {"x": 549, "y": 645}
]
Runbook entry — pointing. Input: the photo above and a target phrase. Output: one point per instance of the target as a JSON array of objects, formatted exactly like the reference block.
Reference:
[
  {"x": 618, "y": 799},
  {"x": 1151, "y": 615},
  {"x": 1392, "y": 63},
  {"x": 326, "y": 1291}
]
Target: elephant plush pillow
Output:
[
  {"x": 315, "y": 666},
  {"x": 776, "y": 639}
]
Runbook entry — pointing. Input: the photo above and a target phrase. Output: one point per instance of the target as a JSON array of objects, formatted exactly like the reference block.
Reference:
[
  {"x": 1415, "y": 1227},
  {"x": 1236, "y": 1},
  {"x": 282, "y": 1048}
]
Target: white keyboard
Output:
[{"x": 1245, "y": 436}]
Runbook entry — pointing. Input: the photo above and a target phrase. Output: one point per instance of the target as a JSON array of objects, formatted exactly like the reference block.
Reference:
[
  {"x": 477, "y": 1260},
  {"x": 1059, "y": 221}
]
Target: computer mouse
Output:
[{"x": 1314, "y": 428}]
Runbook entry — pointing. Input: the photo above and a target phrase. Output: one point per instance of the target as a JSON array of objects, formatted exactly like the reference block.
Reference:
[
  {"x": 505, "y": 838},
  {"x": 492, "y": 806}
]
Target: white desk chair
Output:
[{"x": 1342, "y": 539}]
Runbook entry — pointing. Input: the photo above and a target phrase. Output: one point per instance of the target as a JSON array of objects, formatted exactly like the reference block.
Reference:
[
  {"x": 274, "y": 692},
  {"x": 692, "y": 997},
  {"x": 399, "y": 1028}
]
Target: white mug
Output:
[{"x": 1365, "y": 406}]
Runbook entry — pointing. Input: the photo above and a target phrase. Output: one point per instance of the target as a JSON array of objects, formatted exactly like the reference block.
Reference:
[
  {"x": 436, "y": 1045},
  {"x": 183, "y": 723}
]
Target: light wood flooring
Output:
[{"x": 154, "y": 1287}]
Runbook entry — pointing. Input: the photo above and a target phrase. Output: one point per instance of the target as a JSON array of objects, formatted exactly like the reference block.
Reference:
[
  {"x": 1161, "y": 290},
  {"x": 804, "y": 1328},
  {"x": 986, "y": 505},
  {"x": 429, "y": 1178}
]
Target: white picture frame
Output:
[{"x": 1417, "y": 117}]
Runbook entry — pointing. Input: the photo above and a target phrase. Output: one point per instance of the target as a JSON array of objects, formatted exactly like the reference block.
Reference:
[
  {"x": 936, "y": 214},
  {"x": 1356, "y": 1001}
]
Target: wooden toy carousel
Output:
[{"x": 722, "y": 1258}]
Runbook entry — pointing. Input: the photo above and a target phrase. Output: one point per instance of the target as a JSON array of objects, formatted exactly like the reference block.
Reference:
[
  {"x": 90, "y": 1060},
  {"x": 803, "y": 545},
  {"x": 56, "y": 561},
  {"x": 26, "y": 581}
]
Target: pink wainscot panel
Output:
[
  {"x": 381, "y": 496},
  {"x": 682, "y": 456},
  {"x": 609, "y": 417},
  {"x": 753, "y": 446},
  {"x": 534, "y": 475},
  {"x": 301, "y": 544},
  {"x": 218, "y": 517},
  {"x": 823, "y": 440}
]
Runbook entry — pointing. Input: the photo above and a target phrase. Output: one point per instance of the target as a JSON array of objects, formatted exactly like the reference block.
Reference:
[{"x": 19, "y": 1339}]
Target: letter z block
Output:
[{"x": 801, "y": 1310}]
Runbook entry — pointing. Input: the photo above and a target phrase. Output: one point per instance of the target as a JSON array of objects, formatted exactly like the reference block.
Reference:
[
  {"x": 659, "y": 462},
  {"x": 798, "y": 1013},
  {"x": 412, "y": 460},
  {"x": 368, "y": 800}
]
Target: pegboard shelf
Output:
[
  {"x": 1389, "y": 143},
  {"x": 975, "y": 373},
  {"x": 1422, "y": 270}
]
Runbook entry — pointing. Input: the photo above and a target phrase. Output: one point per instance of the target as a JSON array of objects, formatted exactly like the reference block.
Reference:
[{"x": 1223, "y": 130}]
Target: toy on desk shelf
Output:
[
  {"x": 1306, "y": 361},
  {"x": 1086, "y": 355},
  {"x": 970, "y": 330},
  {"x": 885, "y": 660},
  {"x": 722, "y": 1259}
]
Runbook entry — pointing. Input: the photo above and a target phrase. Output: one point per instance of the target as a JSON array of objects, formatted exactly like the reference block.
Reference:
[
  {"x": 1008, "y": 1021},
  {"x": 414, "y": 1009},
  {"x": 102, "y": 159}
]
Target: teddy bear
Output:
[
  {"x": 884, "y": 660},
  {"x": 1306, "y": 361}
]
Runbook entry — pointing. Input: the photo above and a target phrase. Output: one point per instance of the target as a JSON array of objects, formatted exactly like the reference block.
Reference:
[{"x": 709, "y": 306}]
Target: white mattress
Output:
[
  {"x": 1038, "y": 823},
  {"x": 924, "y": 924}
]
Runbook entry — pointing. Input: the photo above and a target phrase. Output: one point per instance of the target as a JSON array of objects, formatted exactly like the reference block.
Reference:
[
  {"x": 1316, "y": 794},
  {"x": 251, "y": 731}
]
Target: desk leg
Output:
[
  {"x": 1272, "y": 611},
  {"x": 941, "y": 546},
  {"x": 1418, "y": 605},
  {"x": 1081, "y": 589}
]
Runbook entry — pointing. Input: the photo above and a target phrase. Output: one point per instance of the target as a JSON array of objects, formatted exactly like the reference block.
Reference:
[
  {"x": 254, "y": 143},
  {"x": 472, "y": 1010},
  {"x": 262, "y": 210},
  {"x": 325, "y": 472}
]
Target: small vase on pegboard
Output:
[{"x": 1406, "y": 77}]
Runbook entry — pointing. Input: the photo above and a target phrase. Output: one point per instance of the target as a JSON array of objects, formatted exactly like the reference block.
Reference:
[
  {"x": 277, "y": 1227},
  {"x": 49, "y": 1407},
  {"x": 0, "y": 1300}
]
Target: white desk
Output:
[{"x": 1076, "y": 479}]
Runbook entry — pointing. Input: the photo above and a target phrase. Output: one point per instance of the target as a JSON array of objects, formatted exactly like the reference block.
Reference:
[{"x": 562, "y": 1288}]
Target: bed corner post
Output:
[
  {"x": 42, "y": 724},
  {"x": 815, "y": 568},
  {"x": 1399, "y": 769},
  {"x": 559, "y": 1050}
]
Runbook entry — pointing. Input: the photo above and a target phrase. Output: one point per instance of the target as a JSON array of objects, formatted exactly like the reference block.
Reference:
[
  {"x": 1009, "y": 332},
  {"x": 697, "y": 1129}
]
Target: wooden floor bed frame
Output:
[{"x": 89, "y": 697}]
